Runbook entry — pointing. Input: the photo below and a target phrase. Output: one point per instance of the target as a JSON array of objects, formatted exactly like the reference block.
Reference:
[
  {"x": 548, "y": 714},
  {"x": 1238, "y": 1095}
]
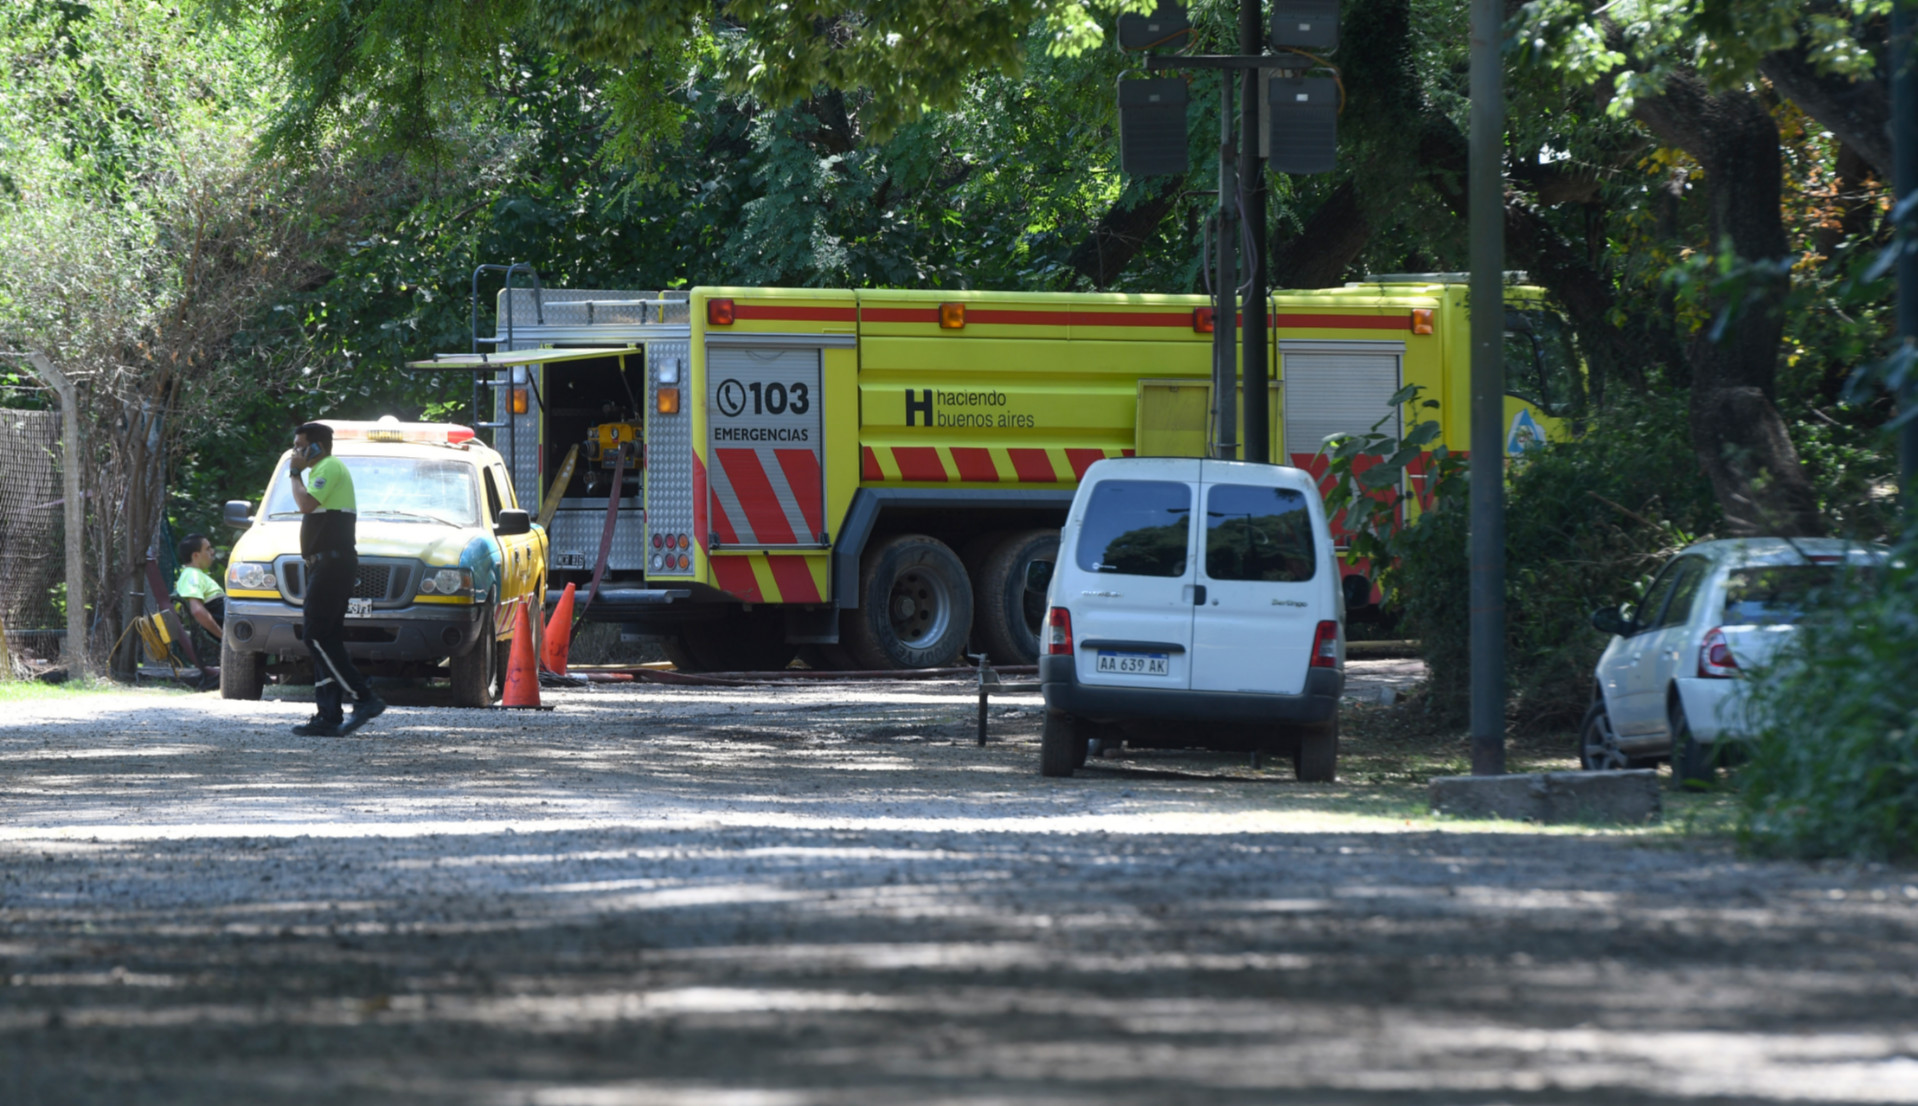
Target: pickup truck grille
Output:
[{"x": 382, "y": 581}]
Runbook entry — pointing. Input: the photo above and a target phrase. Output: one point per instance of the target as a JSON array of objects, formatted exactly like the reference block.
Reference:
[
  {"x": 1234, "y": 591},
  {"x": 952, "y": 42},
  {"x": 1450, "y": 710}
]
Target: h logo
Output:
[{"x": 922, "y": 405}]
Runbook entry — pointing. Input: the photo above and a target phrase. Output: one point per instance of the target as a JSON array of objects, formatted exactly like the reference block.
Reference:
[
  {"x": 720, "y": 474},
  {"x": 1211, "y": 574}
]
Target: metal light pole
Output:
[
  {"x": 1487, "y": 203},
  {"x": 1225, "y": 349},
  {"x": 1904, "y": 181},
  {"x": 1258, "y": 431}
]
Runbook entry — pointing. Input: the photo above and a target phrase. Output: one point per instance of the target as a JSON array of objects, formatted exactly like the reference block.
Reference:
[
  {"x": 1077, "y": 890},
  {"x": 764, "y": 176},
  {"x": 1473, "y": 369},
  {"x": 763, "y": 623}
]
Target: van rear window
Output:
[
  {"x": 1258, "y": 533},
  {"x": 1136, "y": 528}
]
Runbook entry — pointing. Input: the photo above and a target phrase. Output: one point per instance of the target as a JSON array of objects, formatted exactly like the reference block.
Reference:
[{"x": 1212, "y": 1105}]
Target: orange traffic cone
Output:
[
  {"x": 559, "y": 635},
  {"x": 522, "y": 672}
]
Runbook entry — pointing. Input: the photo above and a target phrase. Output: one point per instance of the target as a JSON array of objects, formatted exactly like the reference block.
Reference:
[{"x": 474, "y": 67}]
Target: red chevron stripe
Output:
[
  {"x": 735, "y": 576},
  {"x": 1081, "y": 460},
  {"x": 1033, "y": 466},
  {"x": 919, "y": 462},
  {"x": 869, "y": 464},
  {"x": 794, "y": 579},
  {"x": 699, "y": 501},
  {"x": 802, "y": 476},
  {"x": 764, "y": 516},
  {"x": 974, "y": 464}
]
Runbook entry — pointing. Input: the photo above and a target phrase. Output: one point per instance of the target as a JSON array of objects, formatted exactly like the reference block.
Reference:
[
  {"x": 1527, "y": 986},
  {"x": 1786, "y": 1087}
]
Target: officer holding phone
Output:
[{"x": 325, "y": 498}]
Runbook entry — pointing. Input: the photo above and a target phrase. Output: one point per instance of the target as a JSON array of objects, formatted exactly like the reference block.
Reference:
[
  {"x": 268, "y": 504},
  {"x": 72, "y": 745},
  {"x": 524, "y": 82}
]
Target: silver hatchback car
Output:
[{"x": 1671, "y": 683}]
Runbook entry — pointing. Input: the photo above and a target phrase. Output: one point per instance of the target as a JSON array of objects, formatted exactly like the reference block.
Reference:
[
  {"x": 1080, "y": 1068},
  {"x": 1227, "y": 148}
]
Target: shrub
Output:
[
  {"x": 1586, "y": 522},
  {"x": 1834, "y": 764}
]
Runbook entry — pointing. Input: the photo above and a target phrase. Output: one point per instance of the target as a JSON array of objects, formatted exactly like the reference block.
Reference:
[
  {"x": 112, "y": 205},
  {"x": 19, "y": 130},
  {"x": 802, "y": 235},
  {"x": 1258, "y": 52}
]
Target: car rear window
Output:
[
  {"x": 1777, "y": 594},
  {"x": 1258, "y": 533},
  {"x": 1136, "y": 528}
]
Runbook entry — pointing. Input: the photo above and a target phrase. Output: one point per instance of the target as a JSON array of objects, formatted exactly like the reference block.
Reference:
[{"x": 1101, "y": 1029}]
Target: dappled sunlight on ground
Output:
[{"x": 823, "y": 895}]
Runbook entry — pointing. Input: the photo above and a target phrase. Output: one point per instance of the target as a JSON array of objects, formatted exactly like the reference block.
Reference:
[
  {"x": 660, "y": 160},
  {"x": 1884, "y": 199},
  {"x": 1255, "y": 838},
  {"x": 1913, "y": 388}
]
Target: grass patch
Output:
[{"x": 34, "y": 691}]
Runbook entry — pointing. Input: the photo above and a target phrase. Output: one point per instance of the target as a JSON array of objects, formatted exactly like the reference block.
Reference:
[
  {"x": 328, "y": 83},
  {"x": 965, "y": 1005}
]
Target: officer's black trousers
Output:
[{"x": 329, "y": 585}]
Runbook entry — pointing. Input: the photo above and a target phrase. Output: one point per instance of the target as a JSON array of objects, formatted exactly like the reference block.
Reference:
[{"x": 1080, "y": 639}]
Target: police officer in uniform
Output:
[{"x": 325, "y": 498}]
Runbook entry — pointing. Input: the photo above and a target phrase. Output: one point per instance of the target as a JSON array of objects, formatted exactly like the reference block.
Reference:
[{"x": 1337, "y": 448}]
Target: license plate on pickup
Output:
[
  {"x": 569, "y": 560},
  {"x": 1134, "y": 664},
  {"x": 359, "y": 608}
]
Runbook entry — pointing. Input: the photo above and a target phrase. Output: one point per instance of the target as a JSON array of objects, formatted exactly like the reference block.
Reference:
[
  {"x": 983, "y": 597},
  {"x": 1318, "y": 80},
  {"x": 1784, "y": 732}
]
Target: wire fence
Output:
[{"x": 32, "y": 545}]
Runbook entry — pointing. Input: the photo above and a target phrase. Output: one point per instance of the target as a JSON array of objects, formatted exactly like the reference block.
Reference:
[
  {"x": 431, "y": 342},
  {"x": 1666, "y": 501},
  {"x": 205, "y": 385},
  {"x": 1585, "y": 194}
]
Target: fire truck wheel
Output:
[
  {"x": 740, "y": 642},
  {"x": 915, "y": 606},
  {"x": 1008, "y": 613}
]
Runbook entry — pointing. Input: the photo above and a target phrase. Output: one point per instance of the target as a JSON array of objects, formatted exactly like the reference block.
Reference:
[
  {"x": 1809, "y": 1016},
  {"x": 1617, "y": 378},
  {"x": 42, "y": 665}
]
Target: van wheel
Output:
[
  {"x": 742, "y": 641},
  {"x": 473, "y": 672},
  {"x": 242, "y": 675},
  {"x": 1693, "y": 766},
  {"x": 1062, "y": 745},
  {"x": 1008, "y": 614},
  {"x": 1316, "y": 758},
  {"x": 915, "y": 606}
]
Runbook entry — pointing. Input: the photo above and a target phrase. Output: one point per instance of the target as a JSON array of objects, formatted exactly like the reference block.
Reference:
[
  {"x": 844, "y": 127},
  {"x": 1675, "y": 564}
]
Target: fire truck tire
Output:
[
  {"x": 242, "y": 675},
  {"x": 915, "y": 606},
  {"x": 1007, "y": 616},
  {"x": 740, "y": 642}
]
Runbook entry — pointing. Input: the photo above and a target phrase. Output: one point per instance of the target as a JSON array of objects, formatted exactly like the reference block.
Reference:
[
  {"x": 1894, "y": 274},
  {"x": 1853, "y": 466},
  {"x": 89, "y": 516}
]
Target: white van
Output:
[{"x": 1194, "y": 603}]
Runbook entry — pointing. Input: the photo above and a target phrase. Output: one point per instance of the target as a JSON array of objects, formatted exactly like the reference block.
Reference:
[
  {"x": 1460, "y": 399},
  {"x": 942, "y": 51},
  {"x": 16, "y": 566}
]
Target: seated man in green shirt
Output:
[{"x": 204, "y": 597}]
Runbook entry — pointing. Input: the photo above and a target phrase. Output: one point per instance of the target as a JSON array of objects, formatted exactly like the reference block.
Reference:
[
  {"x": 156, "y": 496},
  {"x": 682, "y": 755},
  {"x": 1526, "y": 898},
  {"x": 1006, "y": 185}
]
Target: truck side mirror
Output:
[
  {"x": 238, "y": 513},
  {"x": 512, "y": 521},
  {"x": 1612, "y": 620}
]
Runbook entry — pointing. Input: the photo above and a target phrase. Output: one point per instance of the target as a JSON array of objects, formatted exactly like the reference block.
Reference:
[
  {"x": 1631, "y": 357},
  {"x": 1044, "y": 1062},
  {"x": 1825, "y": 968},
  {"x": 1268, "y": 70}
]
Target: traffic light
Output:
[
  {"x": 1152, "y": 136},
  {"x": 1310, "y": 25},
  {"x": 1165, "y": 28},
  {"x": 1304, "y": 120}
]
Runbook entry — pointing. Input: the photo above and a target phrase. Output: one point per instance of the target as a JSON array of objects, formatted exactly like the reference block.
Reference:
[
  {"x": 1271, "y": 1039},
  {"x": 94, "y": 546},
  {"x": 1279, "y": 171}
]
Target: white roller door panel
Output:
[{"x": 1334, "y": 392}]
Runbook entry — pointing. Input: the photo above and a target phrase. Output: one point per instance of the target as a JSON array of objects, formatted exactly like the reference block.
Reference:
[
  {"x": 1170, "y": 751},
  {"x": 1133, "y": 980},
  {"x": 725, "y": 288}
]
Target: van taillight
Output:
[
  {"x": 1715, "y": 660},
  {"x": 1059, "y": 632},
  {"x": 1325, "y": 646}
]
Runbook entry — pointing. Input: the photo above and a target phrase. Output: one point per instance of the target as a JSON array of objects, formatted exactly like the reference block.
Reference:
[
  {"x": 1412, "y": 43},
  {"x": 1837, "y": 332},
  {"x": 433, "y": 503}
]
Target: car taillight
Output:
[
  {"x": 1715, "y": 658},
  {"x": 1325, "y": 646},
  {"x": 1059, "y": 632}
]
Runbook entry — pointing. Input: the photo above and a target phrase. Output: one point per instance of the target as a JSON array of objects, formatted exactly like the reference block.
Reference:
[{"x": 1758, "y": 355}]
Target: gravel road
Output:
[{"x": 828, "y": 895}]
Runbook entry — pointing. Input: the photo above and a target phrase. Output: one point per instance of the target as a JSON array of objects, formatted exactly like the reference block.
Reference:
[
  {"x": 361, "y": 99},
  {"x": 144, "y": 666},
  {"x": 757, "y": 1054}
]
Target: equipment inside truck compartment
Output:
[{"x": 581, "y": 398}]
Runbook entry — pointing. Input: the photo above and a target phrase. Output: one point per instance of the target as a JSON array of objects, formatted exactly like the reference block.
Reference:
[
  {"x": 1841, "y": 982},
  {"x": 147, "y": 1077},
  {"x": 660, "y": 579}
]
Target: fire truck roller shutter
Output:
[
  {"x": 1009, "y": 595},
  {"x": 915, "y": 606}
]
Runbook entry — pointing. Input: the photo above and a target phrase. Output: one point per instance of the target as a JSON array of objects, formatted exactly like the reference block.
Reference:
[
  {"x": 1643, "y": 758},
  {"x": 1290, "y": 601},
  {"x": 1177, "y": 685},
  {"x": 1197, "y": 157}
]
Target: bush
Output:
[
  {"x": 1834, "y": 765},
  {"x": 1586, "y": 522}
]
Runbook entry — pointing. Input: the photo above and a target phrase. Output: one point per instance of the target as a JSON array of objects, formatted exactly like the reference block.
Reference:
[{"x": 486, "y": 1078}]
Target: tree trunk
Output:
[
  {"x": 1122, "y": 232},
  {"x": 1736, "y": 430},
  {"x": 1331, "y": 241}
]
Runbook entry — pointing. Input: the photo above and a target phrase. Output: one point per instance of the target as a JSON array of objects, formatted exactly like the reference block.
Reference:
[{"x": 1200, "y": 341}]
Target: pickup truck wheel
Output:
[
  {"x": 915, "y": 606},
  {"x": 1316, "y": 758},
  {"x": 1693, "y": 766},
  {"x": 242, "y": 675},
  {"x": 1008, "y": 614},
  {"x": 474, "y": 671},
  {"x": 1062, "y": 745}
]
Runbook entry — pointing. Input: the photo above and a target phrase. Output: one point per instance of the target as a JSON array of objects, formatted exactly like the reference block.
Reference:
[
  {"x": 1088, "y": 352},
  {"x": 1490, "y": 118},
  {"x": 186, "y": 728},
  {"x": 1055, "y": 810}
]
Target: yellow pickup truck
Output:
[{"x": 446, "y": 559}]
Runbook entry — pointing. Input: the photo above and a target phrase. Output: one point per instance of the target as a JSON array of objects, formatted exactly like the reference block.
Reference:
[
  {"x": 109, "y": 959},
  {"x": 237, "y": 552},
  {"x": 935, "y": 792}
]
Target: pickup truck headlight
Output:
[
  {"x": 448, "y": 581},
  {"x": 252, "y": 577}
]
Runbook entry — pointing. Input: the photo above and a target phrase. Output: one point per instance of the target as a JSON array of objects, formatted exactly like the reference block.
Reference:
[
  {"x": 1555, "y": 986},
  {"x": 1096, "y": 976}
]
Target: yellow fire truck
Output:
[{"x": 878, "y": 477}]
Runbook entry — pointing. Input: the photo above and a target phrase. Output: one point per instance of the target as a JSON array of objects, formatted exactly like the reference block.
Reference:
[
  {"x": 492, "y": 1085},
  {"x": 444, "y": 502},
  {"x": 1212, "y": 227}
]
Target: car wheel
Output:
[
  {"x": 472, "y": 671},
  {"x": 1008, "y": 614},
  {"x": 1315, "y": 759},
  {"x": 242, "y": 675},
  {"x": 1598, "y": 749},
  {"x": 1062, "y": 745},
  {"x": 915, "y": 606},
  {"x": 1693, "y": 766}
]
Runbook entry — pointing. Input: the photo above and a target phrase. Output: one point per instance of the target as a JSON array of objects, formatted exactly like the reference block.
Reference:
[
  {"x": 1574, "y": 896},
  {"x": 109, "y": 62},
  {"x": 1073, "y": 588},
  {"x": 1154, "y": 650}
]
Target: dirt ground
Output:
[{"x": 784, "y": 896}]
